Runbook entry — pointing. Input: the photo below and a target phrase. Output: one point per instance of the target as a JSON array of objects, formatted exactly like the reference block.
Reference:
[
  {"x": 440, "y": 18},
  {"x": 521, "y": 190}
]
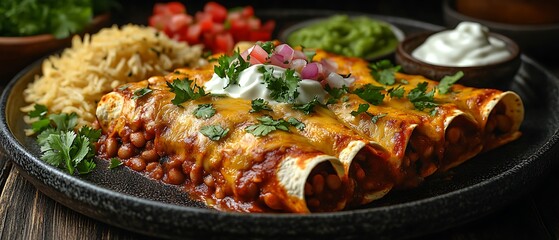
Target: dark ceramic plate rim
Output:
[{"x": 151, "y": 217}]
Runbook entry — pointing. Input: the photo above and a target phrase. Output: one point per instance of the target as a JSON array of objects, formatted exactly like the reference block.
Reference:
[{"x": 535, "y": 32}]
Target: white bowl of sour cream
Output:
[{"x": 487, "y": 59}]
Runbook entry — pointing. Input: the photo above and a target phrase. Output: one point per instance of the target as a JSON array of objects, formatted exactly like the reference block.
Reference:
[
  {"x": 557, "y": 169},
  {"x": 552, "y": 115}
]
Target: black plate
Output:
[{"x": 126, "y": 199}]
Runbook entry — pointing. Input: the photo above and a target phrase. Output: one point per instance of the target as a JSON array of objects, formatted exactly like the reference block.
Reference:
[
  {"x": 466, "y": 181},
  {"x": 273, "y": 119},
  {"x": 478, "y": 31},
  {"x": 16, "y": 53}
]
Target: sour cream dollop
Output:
[
  {"x": 252, "y": 86},
  {"x": 469, "y": 44}
]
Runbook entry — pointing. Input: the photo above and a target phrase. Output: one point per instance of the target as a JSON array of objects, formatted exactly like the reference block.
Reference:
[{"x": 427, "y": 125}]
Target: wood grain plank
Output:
[{"x": 26, "y": 213}]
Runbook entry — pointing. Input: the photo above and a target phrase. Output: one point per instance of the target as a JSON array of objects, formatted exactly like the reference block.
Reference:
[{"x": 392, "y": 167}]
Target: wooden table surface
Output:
[{"x": 26, "y": 213}]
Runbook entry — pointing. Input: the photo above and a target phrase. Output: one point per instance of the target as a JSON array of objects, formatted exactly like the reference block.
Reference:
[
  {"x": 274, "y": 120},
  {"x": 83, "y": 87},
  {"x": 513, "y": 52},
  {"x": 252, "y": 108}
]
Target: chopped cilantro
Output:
[
  {"x": 259, "y": 104},
  {"x": 446, "y": 83},
  {"x": 363, "y": 109},
  {"x": 231, "y": 67},
  {"x": 296, "y": 123},
  {"x": 282, "y": 88},
  {"x": 183, "y": 91},
  {"x": 268, "y": 46},
  {"x": 115, "y": 162},
  {"x": 267, "y": 124},
  {"x": 214, "y": 132},
  {"x": 307, "y": 108},
  {"x": 39, "y": 111},
  {"x": 422, "y": 99},
  {"x": 375, "y": 118},
  {"x": 141, "y": 92},
  {"x": 336, "y": 93},
  {"x": 383, "y": 71},
  {"x": 397, "y": 92},
  {"x": 204, "y": 111},
  {"x": 370, "y": 93}
]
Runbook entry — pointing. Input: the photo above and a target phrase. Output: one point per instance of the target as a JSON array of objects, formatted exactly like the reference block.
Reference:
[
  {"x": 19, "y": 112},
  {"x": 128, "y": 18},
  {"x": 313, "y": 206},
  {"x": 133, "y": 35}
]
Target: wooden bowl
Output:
[
  {"x": 18, "y": 52},
  {"x": 490, "y": 75}
]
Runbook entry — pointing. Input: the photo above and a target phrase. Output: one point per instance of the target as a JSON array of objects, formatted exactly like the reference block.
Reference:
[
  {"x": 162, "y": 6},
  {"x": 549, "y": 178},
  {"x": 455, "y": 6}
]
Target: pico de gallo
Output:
[{"x": 217, "y": 27}]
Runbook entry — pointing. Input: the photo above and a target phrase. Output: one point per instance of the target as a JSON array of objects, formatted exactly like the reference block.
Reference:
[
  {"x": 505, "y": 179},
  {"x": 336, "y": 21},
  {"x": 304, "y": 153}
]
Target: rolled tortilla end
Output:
[
  {"x": 312, "y": 185},
  {"x": 504, "y": 115}
]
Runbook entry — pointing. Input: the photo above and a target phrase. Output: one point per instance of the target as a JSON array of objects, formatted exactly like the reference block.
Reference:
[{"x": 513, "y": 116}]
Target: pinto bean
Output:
[
  {"x": 504, "y": 123},
  {"x": 150, "y": 155},
  {"x": 151, "y": 166},
  {"x": 137, "y": 164},
  {"x": 126, "y": 151},
  {"x": 318, "y": 183},
  {"x": 157, "y": 172},
  {"x": 111, "y": 147},
  {"x": 308, "y": 189},
  {"x": 453, "y": 135},
  {"x": 333, "y": 182},
  {"x": 138, "y": 139},
  {"x": 272, "y": 201},
  {"x": 175, "y": 176}
]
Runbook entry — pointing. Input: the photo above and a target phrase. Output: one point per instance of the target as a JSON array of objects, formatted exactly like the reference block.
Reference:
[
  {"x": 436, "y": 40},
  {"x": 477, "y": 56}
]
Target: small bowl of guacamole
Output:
[{"x": 355, "y": 36}]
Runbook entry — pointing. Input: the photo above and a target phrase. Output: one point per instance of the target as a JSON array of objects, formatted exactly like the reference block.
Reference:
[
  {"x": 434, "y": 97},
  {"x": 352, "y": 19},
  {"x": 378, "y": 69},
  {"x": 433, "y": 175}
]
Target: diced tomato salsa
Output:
[{"x": 217, "y": 27}]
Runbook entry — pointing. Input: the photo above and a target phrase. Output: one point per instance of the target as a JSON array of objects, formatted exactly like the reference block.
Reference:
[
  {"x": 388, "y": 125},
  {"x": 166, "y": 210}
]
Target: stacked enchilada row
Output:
[{"x": 339, "y": 160}]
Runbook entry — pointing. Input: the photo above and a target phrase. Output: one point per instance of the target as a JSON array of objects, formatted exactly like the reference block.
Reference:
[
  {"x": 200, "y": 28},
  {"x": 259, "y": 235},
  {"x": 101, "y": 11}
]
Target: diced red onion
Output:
[
  {"x": 285, "y": 51},
  {"x": 299, "y": 55},
  {"x": 279, "y": 61},
  {"x": 312, "y": 70},
  {"x": 298, "y": 64}
]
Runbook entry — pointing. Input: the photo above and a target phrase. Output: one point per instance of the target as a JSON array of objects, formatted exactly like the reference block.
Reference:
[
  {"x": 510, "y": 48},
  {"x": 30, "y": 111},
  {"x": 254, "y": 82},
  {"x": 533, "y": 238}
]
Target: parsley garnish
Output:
[
  {"x": 383, "y": 72},
  {"x": 61, "y": 146},
  {"x": 259, "y": 104},
  {"x": 363, "y": 109},
  {"x": 296, "y": 123},
  {"x": 282, "y": 88},
  {"x": 115, "y": 162},
  {"x": 370, "y": 93},
  {"x": 267, "y": 124},
  {"x": 183, "y": 91},
  {"x": 422, "y": 99},
  {"x": 446, "y": 83},
  {"x": 204, "y": 111},
  {"x": 306, "y": 108},
  {"x": 214, "y": 132},
  {"x": 231, "y": 67},
  {"x": 141, "y": 92}
]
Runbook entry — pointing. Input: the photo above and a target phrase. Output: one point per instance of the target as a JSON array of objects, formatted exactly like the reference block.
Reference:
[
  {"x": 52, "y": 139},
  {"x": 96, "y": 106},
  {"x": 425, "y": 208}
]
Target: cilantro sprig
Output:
[
  {"x": 384, "y": 71},
  {"x": 422, "y": 99},
  {"x": 61, "y": 145},
  {"x": 446, "y": 83},
  {"x": 184, "y": 92},
  {"x": 283, "y": 88},
  {"x": 259, "y": 104},
  {"x": 370, "y": 93},
  {"x": 267, "y": 125},
  {"x": 204, "y": 111},
  {"x": 231, "y": 67},
  {"x": 363, "y": 109},
  {"x": 214, "y": 132}
]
